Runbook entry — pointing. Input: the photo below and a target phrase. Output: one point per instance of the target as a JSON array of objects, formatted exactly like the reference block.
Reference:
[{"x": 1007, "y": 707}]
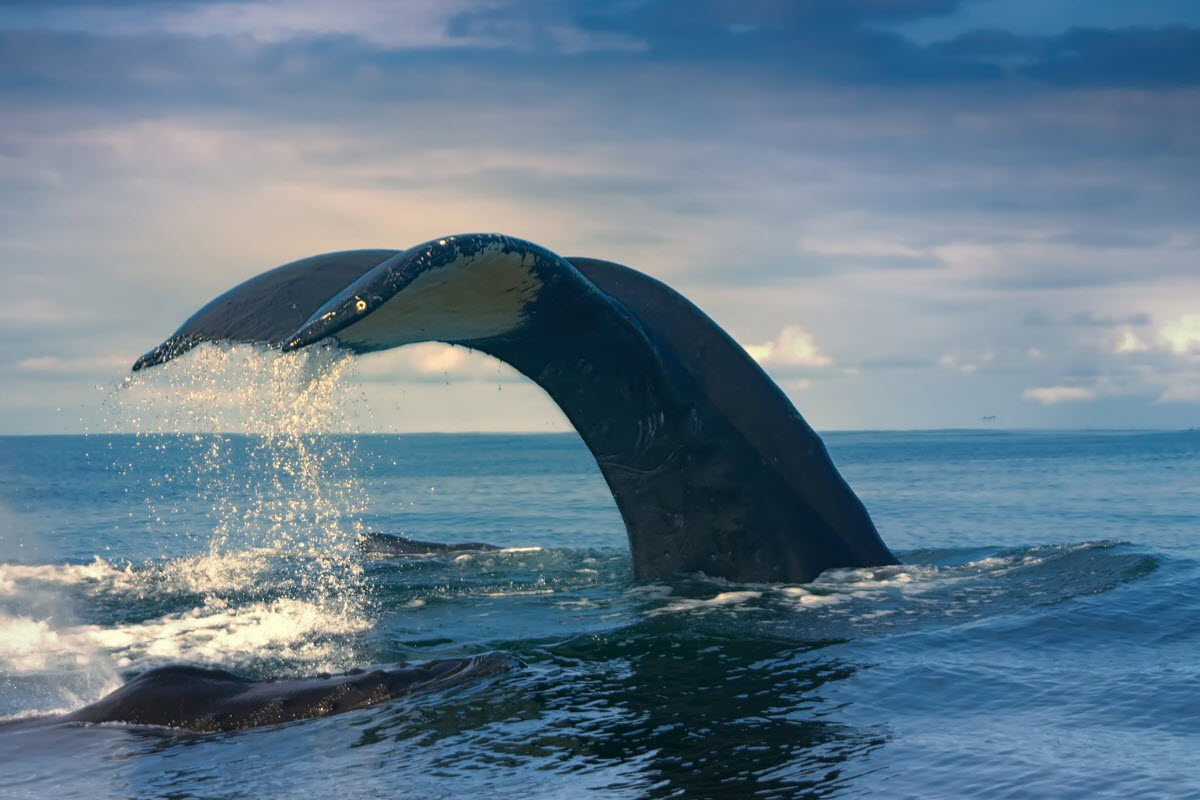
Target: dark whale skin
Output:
[{"x": 206, "y": 700}]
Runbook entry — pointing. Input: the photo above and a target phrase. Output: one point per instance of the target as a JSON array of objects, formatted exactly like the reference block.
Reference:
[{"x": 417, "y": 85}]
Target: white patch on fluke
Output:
[{"x": 472, "y": 297}]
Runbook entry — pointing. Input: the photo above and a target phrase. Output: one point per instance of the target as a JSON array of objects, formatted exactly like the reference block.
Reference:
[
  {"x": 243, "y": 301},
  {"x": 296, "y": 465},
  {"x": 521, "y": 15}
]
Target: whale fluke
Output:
[
  {"x": 711, "y": 466},
  {"x": 267, "y": 308}
]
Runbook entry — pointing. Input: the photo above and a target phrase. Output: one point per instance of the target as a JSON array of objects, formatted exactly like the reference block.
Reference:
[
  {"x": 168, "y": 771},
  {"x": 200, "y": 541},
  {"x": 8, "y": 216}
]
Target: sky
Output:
[{"x": 914, "y": 213}]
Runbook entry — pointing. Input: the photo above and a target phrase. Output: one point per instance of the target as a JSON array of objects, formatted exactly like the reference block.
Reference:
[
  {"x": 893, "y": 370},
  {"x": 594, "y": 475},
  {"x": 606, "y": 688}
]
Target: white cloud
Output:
[
  {"x": 386, "y": 23},
  {"x": 969, "y": 362},
  {"x": 793, "y": 347},
  {"x": 93, "y": 365},
  {"x": 969, "y": 255},
  {"x": 762, "y": 204},
  {"x": 34, "y": 310},
  {"x": 1128, "y": 342},
  {"x": 1052, "y": 395},
  {"x": 383, "y": 21},
  {"x": 1186, "y": 390},
  {"x": 408, "y": 24},
  {"x": 1182, "y": 336},
  {"x": 860, "y": 247},
  {"x": 434, "y": 361}
]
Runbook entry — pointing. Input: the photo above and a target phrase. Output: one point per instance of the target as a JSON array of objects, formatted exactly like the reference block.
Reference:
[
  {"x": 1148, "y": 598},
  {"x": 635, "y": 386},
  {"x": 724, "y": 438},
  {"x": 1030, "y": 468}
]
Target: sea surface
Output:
[{"x": 1042, "y": 639}]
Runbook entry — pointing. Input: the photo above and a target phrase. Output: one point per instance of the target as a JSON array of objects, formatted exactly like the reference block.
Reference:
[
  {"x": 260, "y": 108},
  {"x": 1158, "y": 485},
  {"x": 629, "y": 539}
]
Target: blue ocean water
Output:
[{"x": 1042, "y": 639}]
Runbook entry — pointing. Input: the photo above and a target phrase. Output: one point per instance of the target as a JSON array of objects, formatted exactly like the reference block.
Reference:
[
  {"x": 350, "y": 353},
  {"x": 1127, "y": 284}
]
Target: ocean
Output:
[{"x": 1041, "y": 640}]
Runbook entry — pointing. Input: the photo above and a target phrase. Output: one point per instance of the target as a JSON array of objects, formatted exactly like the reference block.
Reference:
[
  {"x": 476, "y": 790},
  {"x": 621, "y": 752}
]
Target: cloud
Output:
[
  {"x": 845, "y": 42},
  {"x": 1183, "y": 391},
  {"x": 435, "y": 362},
  {"x": 1053, "y": 395},
  {"x": 912, "y": 201},
  {"x": 33, "y": 311},
  {"x": 1161, "y": 56},
  {"x": 967, "y": 362},
  {"x": 1183, "y": 335},
  {"x": 1129, "y": 342},
  {"x": 1164, "y": 56},
  {"x": 72, "y": 367},
  {"x": 411, "y": 24},
  {"x": 796, "y": 384},
  {"x": 1090, "y": 319},
  {"x": 793, "y": 347}
]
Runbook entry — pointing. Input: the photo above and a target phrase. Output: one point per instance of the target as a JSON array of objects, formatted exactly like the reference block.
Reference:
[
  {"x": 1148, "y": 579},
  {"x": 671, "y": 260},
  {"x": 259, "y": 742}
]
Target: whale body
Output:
[
  {"x": 385, "y": 544},
  {"x": 712, "y": 468},
  {"x": 207, "y": 700}
]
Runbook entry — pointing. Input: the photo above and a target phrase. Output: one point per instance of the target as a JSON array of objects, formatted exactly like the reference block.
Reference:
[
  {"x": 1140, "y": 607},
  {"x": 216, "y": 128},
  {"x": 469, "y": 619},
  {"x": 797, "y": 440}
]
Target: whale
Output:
[
  {"x": 712, "y": 468},
  {"x": 210, "y": 700},
  {"x": 389, "y": 545}
]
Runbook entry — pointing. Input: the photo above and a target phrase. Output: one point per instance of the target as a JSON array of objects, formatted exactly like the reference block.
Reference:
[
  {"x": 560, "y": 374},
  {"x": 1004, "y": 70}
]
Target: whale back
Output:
[{"x": 207, "y": 700}]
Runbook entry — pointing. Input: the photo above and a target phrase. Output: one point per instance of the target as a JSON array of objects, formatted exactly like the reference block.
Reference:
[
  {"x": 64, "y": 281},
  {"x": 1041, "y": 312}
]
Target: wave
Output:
[
  {"x": 68, "y": 632},
  {"x": 301, "y": 634},
  {"x": 844, "y": 604},
  {"x": 226, "y": 611},
  {"x": 199, "y": 574}
]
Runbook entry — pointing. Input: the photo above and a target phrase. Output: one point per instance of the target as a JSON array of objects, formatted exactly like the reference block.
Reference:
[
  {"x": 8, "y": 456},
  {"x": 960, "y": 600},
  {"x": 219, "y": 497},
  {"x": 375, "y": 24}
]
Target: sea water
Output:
[{"x": 1042, "y": 638}]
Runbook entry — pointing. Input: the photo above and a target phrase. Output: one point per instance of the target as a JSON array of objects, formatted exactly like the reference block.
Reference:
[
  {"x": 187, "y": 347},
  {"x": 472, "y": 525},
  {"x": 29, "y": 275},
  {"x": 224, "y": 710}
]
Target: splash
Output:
[
  {"x": 35, "y": 673},
  {"x": 283, "y": 489}
]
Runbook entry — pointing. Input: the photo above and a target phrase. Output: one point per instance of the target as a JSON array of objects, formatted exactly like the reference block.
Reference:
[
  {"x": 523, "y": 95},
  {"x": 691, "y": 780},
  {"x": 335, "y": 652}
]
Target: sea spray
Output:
[
  {"x": 284, "y": 490},
  {"x": 37, "y": 675}
]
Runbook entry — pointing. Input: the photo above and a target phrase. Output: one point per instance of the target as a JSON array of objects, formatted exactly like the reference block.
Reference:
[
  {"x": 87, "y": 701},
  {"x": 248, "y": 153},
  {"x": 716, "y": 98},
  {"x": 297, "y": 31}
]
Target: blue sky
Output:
[{"x": 915, "y": 213}]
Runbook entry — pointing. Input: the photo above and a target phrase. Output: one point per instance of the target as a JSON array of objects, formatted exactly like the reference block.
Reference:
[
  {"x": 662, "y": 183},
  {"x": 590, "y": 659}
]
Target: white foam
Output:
[
  {"x": 199, "y": 574},
  {"x": 991, "y": 563},
  {"x": 56, "y": 669},
  {"x": 875, "y": 577},
  {"x": 650, "y": 591},
  {"x": 862, "y": 593},
  {"x": 803, "y": 597},
  {"x": 15, "y": 579},
  {"x": 729, "y": 601},
  {"x": 30, "y": 645},
  {"x": 297, "y": 632},
  {"x": 295, "y": 506},
  {"x": 519, "y": 593}
]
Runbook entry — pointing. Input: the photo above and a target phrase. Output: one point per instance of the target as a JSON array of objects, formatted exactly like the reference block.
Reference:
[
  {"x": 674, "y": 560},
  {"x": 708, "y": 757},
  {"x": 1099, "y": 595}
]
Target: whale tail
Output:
[{"x": 711, "y": 466}]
